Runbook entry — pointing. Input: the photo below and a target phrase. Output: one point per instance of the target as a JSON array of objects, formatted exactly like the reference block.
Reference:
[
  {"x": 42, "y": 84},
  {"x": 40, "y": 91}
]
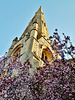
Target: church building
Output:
[{"x": 34, "y": 43}]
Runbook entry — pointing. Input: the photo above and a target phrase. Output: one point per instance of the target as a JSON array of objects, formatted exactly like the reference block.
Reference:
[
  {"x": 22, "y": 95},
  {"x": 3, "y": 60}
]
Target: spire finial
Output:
[{"x": 40, "y": 10}]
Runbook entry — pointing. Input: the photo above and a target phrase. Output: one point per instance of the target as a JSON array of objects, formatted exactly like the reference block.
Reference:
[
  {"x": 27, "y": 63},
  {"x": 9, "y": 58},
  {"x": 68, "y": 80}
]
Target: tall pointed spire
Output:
[
  {"x": 42, "y": 27},
  {"x": 42, "y": 23}
]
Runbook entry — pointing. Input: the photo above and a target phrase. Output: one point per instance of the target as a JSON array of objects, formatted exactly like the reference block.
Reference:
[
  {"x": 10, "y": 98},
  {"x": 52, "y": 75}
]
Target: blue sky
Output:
[{"x": 16, "y": 14}]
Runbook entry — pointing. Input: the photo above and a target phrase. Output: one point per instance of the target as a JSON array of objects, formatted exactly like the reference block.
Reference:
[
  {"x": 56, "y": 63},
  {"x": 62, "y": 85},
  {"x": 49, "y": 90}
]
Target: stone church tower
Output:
[{"x": 34, "y": 42}]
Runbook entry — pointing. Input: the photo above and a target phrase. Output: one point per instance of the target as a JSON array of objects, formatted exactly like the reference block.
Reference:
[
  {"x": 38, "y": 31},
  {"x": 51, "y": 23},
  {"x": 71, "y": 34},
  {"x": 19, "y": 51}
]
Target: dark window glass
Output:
[{"x": 42, "y": 55}]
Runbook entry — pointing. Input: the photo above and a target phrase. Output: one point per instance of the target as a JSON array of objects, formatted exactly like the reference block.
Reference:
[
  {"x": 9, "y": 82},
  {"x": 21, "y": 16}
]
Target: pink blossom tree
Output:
[{"x": 55, "y": 81}]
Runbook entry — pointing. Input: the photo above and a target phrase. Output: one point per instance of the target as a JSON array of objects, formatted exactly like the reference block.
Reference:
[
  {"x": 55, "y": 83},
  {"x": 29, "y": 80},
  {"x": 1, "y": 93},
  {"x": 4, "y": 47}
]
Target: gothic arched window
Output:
[
  {"x": 46, "y": 53},
  {"x": 17, "y": 50}
]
